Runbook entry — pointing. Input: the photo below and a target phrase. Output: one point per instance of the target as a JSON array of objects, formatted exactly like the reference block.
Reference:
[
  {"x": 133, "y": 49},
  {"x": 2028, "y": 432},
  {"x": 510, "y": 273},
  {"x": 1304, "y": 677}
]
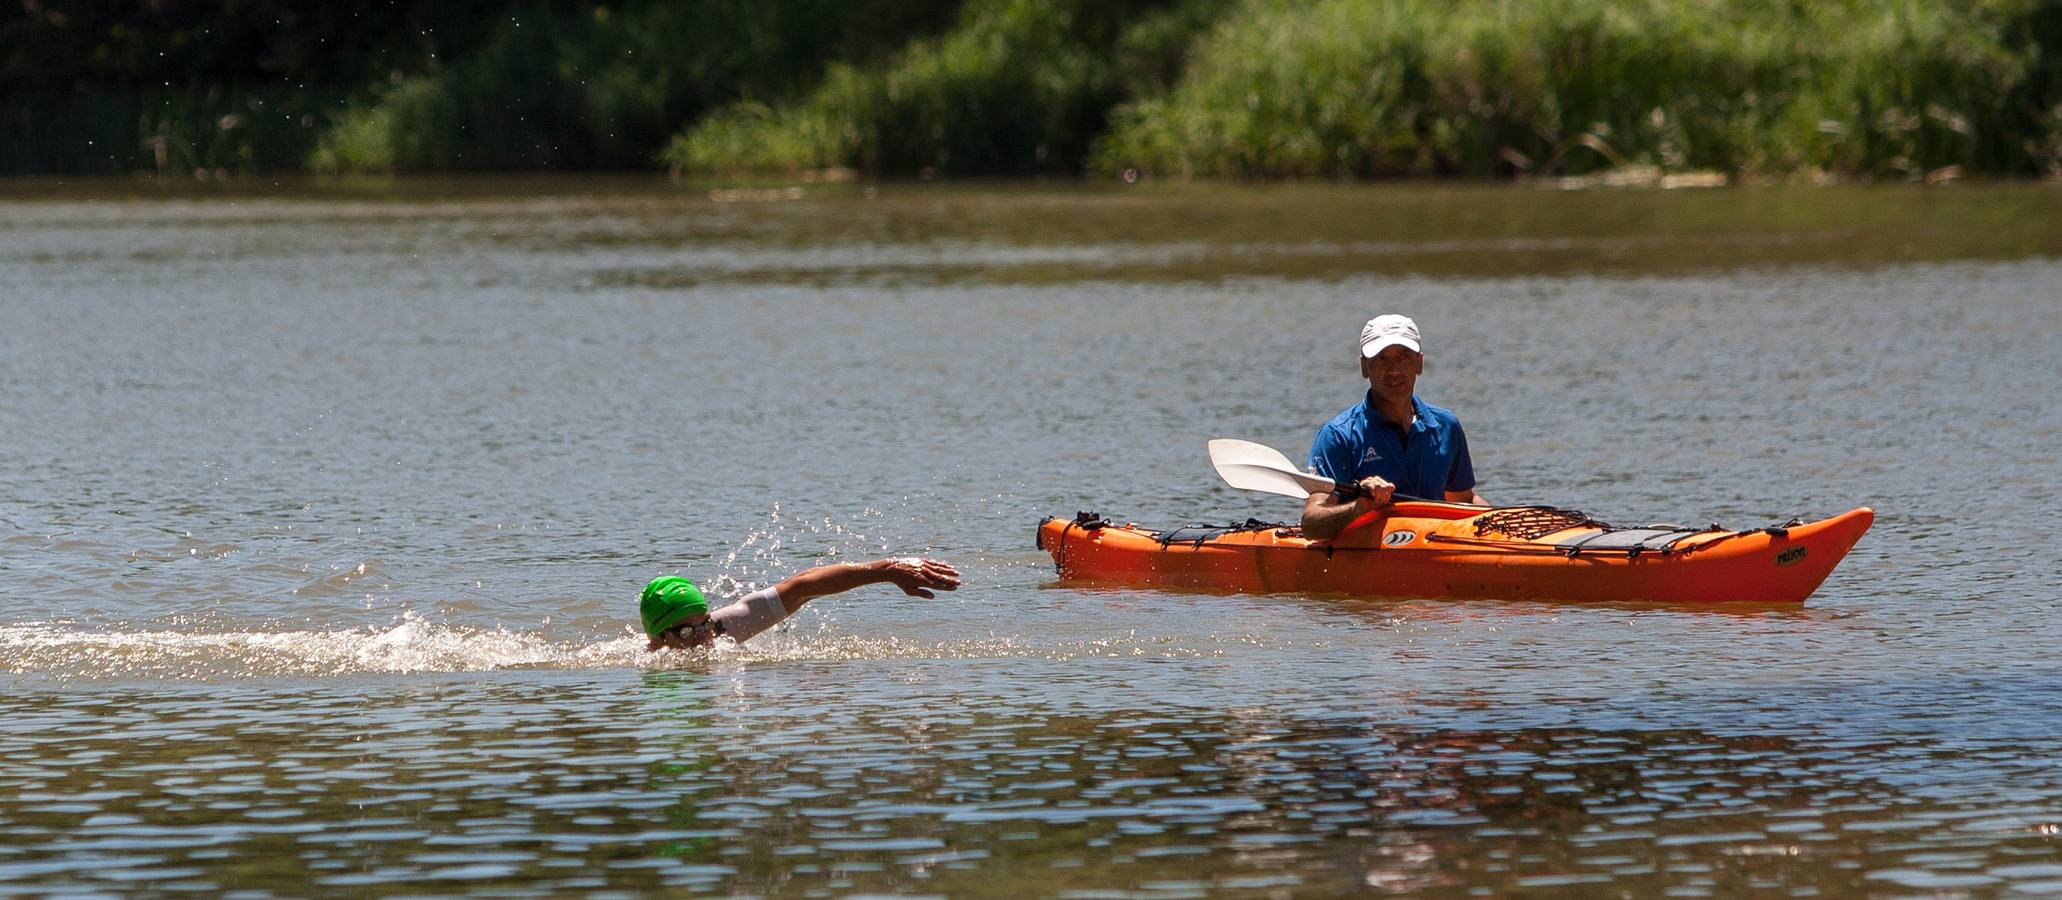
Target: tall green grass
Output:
[
  {"x": 1400, "y": 87},
  {"x": 1018, "y": 86},
  {"x": 603, "y": 87}
]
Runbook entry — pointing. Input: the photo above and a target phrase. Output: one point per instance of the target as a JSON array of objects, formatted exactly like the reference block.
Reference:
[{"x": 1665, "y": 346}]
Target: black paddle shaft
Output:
[{"x": 1349, "y": 491}]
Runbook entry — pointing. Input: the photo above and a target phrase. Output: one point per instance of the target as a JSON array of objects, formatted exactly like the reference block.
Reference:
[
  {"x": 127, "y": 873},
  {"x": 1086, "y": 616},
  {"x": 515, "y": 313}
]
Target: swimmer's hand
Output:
[{"x": 916, "y": 575}]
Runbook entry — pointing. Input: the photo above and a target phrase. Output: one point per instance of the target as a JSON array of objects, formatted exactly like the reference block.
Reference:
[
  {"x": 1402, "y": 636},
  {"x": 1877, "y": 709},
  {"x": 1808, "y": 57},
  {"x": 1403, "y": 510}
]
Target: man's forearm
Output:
[
  {"x": 1324, "y": 518},
  {"x": 823, "y": 581}
]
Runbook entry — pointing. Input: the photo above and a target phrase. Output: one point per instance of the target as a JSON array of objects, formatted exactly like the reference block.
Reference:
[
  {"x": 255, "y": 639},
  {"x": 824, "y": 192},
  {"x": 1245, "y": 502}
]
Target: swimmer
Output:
[{"x": 676, "y": 615}]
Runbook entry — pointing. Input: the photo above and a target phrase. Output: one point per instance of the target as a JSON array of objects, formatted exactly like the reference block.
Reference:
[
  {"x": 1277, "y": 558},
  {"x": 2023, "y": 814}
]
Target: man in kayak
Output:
[
  {"x": 1391, "y": 442},
  {"x": 676, "y": 615}
]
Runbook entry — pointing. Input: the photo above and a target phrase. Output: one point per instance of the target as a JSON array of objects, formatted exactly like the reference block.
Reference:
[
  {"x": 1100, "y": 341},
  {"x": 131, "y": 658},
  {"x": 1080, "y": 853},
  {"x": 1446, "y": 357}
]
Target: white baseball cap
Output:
[{"x": 1382, "y": 331}]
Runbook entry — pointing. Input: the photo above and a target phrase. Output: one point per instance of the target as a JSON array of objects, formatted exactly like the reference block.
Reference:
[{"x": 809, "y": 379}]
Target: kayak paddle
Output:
[{"x": 1257, "y": 467}]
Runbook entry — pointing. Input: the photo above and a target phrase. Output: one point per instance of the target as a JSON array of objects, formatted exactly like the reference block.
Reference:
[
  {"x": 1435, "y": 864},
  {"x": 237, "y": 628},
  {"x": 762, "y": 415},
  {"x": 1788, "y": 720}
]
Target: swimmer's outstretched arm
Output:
[
  {"x": 765, "y": 608},
  {"x": 916, "y": 577}
]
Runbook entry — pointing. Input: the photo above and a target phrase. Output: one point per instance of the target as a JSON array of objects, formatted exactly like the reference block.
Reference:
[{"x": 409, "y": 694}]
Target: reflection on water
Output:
[
  {"x": 713, "y": 782},
  {"x": 601, "y": 233},
  {"x": 322, "y": 511}
]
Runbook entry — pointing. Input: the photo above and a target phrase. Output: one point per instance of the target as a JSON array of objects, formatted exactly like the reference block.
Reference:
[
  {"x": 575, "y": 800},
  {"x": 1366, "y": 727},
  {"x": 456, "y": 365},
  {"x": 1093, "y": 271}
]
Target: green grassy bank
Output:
[
  {"x": 1208, "y": 88},
  {"x": 1283, "y": 88},
  {"x": 1018, "y": 86},
  {"x": 1400, "y": 87},
  {"x": 603, "y": 87}
]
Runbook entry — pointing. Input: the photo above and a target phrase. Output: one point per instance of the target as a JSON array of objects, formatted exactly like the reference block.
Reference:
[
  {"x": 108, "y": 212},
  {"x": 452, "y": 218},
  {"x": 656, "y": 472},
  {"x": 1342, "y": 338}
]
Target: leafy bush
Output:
[
  {"x": 602, "y": 87},
  {"x": 1019, "y": 86},
  {"x": 1395, "y": 87}
]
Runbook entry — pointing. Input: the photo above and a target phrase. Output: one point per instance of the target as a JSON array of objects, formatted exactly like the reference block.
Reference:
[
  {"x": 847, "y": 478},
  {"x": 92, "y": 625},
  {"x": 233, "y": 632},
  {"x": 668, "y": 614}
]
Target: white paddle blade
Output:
[
  {"x": 1229, "y": 450},
  {"x": 1274, "y": 481},
  {"x": 1257, "y": 467}
]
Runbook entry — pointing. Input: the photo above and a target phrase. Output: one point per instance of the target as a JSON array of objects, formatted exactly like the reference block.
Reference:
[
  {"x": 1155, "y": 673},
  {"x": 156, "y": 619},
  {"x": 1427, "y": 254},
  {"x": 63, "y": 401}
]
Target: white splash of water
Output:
[
  {"x": 411, "y": 644},
  {"x": 416, "y": 645}
]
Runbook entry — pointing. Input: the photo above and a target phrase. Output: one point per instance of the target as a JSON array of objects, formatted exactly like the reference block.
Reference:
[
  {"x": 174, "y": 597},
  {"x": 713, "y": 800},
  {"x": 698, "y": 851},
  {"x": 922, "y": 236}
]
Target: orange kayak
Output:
[{"x": 1431, "y": 549}]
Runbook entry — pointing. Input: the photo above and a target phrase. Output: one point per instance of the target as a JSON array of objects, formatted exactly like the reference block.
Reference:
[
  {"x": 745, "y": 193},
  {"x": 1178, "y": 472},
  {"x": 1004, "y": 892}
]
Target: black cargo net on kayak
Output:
[
  {"x": 1529, "y": 523},
  {"x": 1533, "y": 522},
  {"x": 1525, "y": 524}
]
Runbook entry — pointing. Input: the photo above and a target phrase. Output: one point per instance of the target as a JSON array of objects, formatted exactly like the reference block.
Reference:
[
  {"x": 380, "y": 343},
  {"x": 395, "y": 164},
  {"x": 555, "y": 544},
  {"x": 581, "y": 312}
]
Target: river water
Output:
[{"x": 323, "y": 507}]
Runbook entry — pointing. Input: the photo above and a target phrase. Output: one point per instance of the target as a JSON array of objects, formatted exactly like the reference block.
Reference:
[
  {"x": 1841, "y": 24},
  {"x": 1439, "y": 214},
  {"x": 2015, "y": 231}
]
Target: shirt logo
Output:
[{"x": 1370, "y": 455}]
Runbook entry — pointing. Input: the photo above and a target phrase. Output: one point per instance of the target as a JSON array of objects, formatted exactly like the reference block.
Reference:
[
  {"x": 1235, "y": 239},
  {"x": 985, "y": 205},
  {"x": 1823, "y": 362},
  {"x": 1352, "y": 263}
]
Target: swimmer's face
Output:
[{"x": 699, "y": 631}]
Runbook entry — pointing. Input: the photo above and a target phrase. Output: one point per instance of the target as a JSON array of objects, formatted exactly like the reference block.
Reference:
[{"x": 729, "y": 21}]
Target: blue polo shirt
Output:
[{"x": 1425, "y": 460}]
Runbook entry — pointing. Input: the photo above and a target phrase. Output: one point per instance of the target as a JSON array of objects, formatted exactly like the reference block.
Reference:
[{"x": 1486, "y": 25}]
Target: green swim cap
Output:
[{"x": 668, "y": 601}]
